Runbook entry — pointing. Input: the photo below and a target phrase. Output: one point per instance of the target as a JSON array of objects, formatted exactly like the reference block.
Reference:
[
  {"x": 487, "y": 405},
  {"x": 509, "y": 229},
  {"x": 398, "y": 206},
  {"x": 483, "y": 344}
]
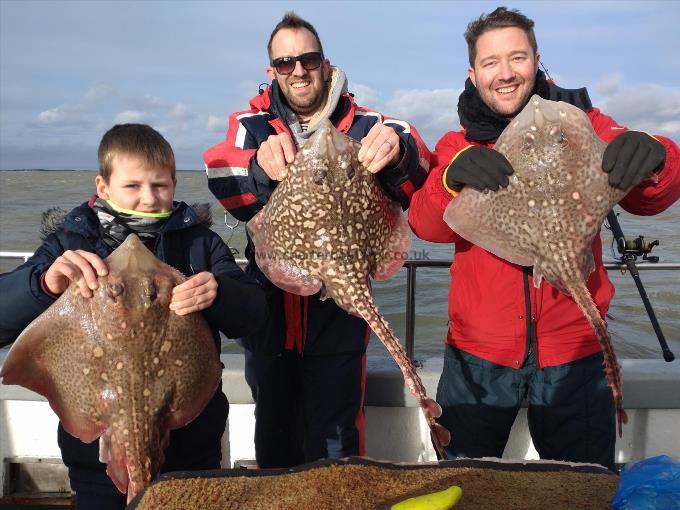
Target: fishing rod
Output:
[{"x": 630, "y": 250}]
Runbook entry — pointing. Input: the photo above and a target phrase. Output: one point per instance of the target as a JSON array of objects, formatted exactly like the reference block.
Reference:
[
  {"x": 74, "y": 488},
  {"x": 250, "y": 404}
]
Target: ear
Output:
[
  {"x": 270, "y": 73},
  {"x": 538, "y": 61},
  {"x": 326, "y": 69},
  {"x": 102, "y": 188},
  {"x": 471, "y": 75}
]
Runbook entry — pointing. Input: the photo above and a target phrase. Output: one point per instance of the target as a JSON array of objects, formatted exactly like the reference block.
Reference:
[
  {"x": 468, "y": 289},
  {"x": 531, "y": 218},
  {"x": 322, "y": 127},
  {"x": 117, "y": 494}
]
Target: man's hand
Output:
[
  {"x": 631, "y": 157},
  {"x": 478, "y": 167},
  {"x": 274, "y": 154},
  {"x": 77, "y": 266},
  {"x": 195, "y": 294},
  {"x": 379, "y": 148}
]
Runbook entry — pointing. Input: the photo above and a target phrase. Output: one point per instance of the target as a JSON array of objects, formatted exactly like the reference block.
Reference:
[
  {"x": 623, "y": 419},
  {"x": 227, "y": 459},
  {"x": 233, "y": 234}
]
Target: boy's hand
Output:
[
  {"x": 195, "y": 294},
  {"x": 77, "y": 266}
]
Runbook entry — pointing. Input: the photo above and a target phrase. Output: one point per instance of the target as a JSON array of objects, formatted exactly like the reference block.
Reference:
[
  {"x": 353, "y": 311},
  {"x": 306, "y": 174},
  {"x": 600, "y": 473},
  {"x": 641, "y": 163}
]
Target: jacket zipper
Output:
[{"x": 531, "y": 343}]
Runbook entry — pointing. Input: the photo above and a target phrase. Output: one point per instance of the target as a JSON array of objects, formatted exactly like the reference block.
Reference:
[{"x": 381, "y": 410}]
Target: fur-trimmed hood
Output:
[{"x": 54, "y": 218}]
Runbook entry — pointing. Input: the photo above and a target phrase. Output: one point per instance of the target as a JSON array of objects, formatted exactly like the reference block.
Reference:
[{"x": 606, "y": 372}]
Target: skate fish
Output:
[
  {"x": 329, "y": 227},
  {"x": 120, "y": 366},
  {"x": 550, "y": 212}
]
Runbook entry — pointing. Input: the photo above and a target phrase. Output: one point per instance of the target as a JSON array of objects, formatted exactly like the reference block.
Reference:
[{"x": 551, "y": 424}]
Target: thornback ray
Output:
[
  {"x": 120, "y": 366},
  {"x": 330, "y": 227},
  {"x": 552, "y": 209}
]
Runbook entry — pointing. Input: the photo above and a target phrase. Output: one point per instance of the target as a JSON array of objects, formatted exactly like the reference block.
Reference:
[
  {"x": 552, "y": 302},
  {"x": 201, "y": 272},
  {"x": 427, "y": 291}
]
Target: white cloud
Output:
[
  {"x": 365, "y": 95},
  {"x": 53, "y": 115},
  {"x": 609, "y": 85},
  {"x": 181, "y": 112},
  {"x": 645, "y": 106},
  {"x": 63, "y": 115},
  {"x": 432, "y": 112},
  {"x": 130, "y": 116},
  {"x": 217, "y": 124},
  {"x": 99, "y": 91}
]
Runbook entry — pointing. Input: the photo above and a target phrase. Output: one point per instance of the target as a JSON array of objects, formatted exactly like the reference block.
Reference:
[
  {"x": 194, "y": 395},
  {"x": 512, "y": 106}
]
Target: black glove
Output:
[
  {"x": 480, "y": 168},
  {"x": 631, "y": 157}
]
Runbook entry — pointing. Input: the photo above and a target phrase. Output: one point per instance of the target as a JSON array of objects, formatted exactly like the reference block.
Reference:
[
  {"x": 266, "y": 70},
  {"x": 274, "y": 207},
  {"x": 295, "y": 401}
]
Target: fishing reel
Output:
[{"x": 637, "y": 247}]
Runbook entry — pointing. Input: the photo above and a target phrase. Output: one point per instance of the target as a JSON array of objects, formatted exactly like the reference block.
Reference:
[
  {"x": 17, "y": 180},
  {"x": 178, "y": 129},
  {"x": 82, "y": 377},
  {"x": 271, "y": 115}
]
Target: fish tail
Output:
[
  {"x": 369, "y": 312},
  {"x": 612, "y": 369}
]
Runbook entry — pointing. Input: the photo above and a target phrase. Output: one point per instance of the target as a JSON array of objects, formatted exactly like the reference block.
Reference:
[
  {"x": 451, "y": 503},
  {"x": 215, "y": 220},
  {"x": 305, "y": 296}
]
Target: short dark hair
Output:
[
  {"x": 500, "y": 18},
  {"x": 134, "y": 140},
  {"x": 292, "y": 21}
]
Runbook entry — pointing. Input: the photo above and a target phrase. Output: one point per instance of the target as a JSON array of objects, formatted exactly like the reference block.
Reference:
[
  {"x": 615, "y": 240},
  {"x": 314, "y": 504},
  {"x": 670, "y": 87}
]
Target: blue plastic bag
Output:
[{"x": 651, "y": 484}]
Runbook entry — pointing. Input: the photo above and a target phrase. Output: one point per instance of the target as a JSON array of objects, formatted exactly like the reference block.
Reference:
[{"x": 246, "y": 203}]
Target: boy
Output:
[{"x": 135, "y": 191}]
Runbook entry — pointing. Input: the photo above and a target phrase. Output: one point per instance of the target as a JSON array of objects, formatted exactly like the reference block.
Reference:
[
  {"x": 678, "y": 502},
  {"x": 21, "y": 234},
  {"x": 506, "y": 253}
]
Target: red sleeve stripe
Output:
[
  {"x": 408, "y": 188},
  {"x": 238, "y": 201}
]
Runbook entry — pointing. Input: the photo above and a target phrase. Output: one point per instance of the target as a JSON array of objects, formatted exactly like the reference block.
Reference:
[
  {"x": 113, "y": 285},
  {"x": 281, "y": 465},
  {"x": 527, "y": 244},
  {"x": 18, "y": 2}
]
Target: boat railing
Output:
[{"x": 411, "y": 267}]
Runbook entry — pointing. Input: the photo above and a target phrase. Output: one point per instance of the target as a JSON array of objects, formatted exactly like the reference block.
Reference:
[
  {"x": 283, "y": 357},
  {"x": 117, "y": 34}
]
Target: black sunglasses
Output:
[{"x": 309, "y": 61}]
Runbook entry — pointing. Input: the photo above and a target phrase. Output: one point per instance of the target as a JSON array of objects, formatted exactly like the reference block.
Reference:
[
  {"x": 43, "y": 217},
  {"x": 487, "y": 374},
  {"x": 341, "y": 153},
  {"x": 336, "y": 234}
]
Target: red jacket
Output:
[{"x": 487, "y": 305}]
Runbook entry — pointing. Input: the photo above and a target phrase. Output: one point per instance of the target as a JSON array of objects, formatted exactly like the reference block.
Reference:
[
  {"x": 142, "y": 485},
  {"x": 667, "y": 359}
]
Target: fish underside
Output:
[
  {"x": 550, "y": 212},
  {"x": 329, "y": 227},
  {"x": 120, "y": 366}
]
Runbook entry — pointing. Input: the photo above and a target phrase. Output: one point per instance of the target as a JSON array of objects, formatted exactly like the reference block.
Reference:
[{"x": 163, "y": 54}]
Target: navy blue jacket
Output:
[{"x": 185, "y": 243}]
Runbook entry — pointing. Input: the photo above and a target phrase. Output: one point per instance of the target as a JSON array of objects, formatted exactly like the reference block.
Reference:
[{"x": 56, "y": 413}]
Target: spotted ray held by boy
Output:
[
  {"x": 120, "y": 366},
  {"x": 329, "y": 227},
  {"x": 551, "y": 211}
]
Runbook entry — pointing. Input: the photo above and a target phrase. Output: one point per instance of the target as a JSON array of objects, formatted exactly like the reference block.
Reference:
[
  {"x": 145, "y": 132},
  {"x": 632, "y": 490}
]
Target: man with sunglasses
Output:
[
  {"x": 508, "y": 340},
  {"x": 306, "y": 364}
]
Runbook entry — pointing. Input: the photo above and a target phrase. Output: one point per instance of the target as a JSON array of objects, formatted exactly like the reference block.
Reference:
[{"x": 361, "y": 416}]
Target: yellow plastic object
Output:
[{"x": 442, "y": 500}]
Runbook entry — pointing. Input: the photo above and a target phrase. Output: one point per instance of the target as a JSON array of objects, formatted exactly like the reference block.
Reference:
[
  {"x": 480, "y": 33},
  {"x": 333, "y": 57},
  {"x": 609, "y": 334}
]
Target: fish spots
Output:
[
  {"x": 146, "y": 392},
  {"x": 531, "y": 203},
  {"x": 576, "y": 195},
  {"x": 104, "y": 376},
  {"x": 178, "y": 362},
  {"x": 98, "y": 352},
  {"x": 86, "y": 370},
  {"x": 160, "y": 373},
  {"x": 167, "y": 345}
]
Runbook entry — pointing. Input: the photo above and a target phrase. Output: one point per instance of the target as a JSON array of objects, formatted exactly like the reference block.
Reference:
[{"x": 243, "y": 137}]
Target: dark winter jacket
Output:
[{"x": 185, "y": 242}]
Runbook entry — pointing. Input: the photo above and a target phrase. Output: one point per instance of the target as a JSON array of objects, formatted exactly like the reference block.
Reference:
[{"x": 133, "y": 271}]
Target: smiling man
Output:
[
  {"x": 507, "y": 340},
  {"x": 306, "y": 364}
]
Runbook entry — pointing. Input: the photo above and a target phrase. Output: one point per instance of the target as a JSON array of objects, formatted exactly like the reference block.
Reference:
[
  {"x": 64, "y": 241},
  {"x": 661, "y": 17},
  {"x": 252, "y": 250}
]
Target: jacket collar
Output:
[
  {"x": 82, "y": 219},
  {"x": 339, "y": 108}
]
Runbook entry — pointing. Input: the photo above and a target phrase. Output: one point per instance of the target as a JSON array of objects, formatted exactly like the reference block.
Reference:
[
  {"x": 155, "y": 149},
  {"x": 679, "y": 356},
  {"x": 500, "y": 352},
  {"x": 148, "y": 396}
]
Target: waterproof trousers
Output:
[
  {"x": 306, "y": 407},
  {"x": 570, "y": 407}
]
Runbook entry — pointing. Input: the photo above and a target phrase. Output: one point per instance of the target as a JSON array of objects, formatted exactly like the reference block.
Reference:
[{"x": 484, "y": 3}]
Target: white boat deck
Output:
[{"x": 395, "y": 428}]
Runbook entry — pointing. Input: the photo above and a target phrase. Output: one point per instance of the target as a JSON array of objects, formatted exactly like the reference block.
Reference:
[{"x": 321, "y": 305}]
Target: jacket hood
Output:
[{"x": 183, "y": 215}]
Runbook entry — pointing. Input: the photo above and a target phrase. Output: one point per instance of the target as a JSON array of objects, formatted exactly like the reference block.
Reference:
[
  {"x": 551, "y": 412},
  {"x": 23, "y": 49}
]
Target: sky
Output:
[{"x": 71, "y": 70}]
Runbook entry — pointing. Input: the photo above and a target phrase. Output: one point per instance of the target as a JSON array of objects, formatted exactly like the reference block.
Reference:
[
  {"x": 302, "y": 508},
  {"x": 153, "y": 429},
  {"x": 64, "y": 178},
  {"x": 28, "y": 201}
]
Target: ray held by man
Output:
[
  {"x": 329, "y": 227},
  {"x": 550, "y": 212},
  {"x": 120, "y": 366}
]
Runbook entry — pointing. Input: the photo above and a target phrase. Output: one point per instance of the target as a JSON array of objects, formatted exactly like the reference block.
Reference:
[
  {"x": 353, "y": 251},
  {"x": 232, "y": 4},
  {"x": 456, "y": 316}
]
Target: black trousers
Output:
[
  {"x": 306, "y": 407},
  {"x": 571, "y": 409},
  {"x": 194, "y": 447}
]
